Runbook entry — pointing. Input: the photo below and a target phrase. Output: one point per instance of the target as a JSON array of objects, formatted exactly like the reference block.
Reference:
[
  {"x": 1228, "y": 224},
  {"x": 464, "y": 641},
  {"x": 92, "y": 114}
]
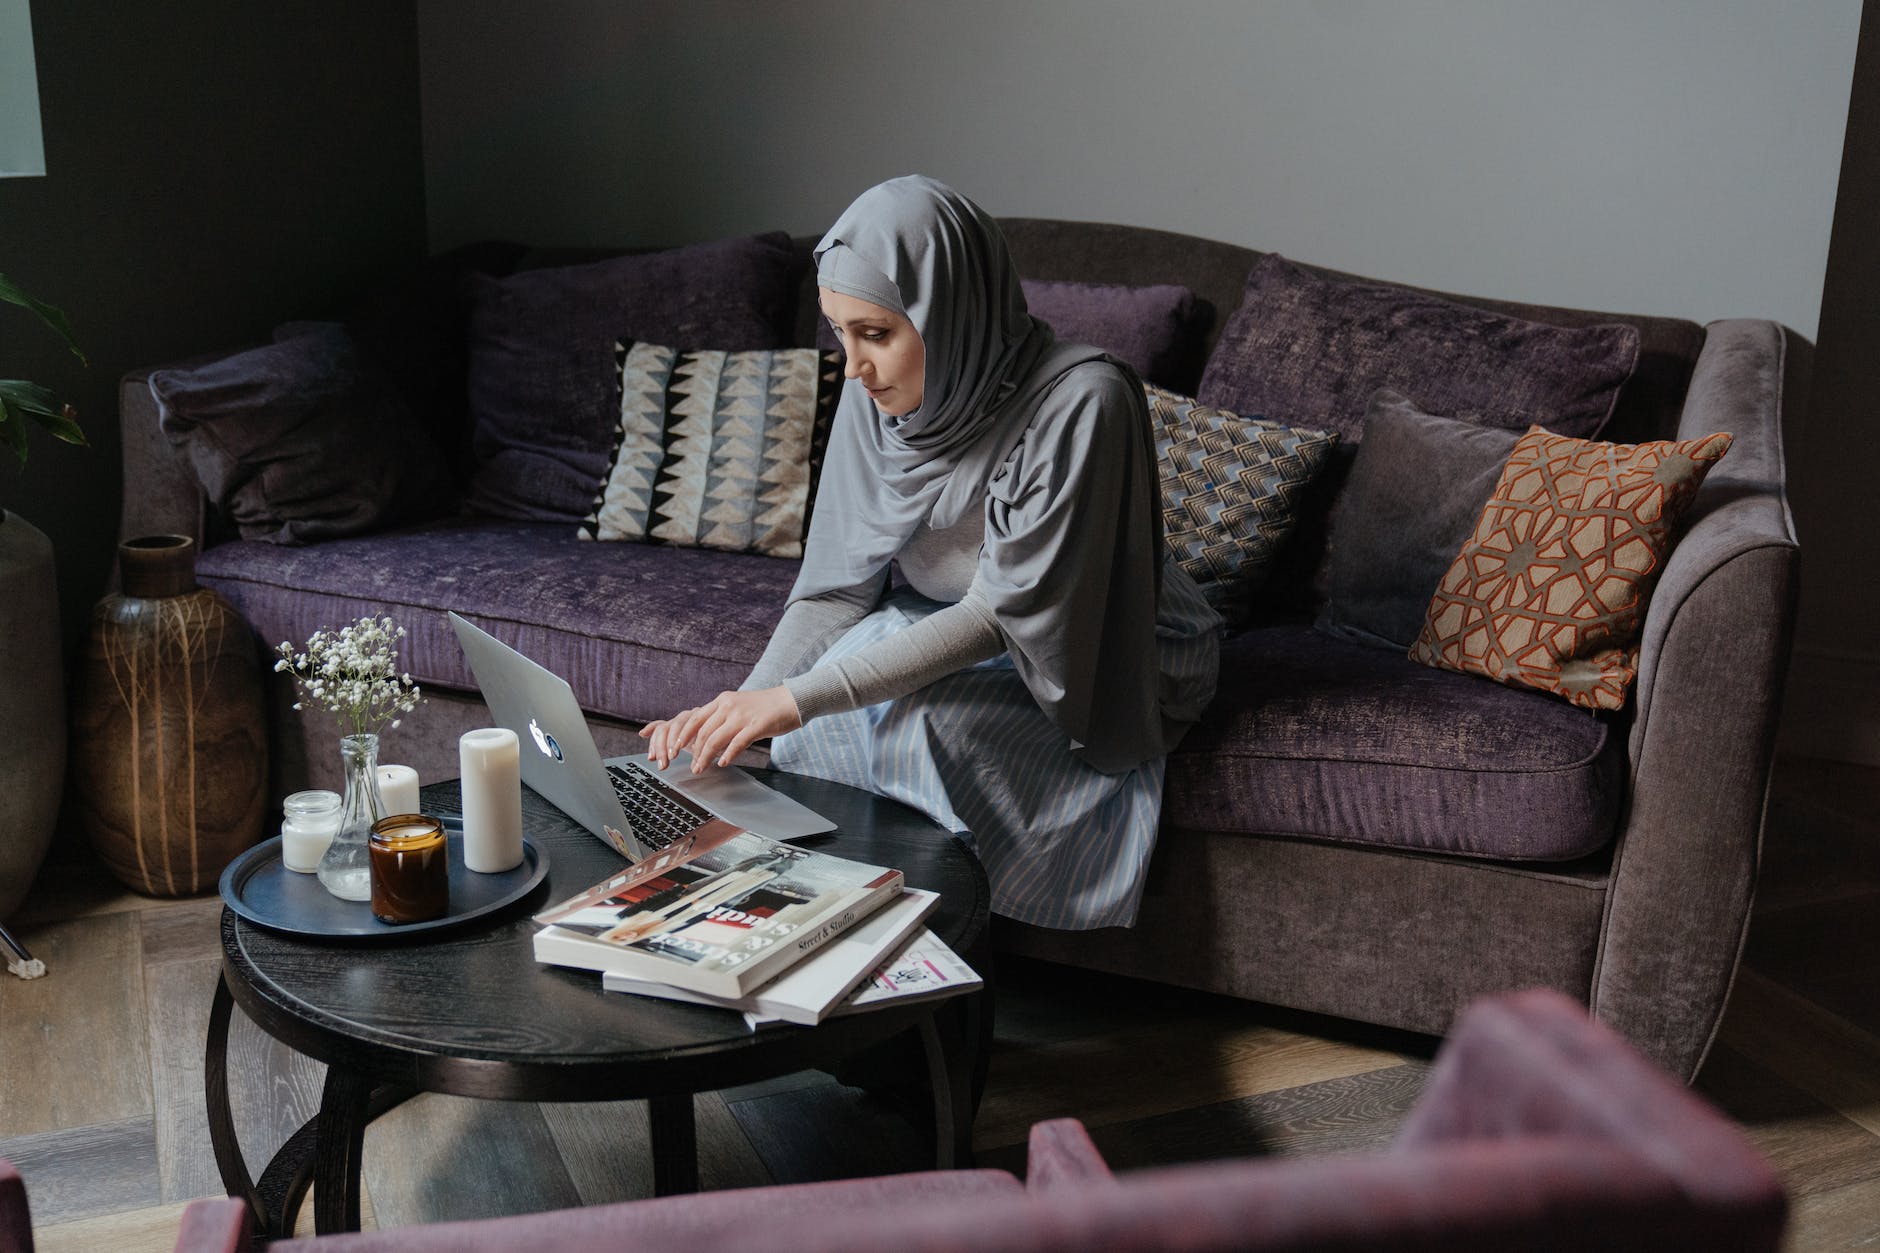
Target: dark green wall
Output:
[{"x": 213, "y": 168}]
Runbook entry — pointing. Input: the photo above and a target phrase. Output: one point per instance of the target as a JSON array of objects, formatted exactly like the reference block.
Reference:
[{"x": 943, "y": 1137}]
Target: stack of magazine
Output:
[{"x": 778, "y": 933}]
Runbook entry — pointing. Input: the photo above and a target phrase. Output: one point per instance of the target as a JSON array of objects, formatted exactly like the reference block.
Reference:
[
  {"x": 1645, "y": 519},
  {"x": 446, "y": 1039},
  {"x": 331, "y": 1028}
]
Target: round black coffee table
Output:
[{"x": 471, "y": 1012}]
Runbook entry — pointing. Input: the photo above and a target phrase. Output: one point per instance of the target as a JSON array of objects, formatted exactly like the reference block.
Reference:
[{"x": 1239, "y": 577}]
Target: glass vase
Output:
[{"x": 346, "y": 869}]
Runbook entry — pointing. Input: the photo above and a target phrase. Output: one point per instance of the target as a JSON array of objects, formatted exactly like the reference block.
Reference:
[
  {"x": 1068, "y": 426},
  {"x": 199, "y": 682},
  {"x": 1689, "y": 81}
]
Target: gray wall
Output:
[
  {"x": 213, "y": 168},
  {"x": 1677, "y": 157}
]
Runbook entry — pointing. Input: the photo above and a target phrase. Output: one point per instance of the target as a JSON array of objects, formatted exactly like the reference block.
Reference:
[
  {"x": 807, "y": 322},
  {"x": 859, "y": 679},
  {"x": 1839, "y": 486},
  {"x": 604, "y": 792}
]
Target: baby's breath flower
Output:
[{"x": 353, "y": 673}]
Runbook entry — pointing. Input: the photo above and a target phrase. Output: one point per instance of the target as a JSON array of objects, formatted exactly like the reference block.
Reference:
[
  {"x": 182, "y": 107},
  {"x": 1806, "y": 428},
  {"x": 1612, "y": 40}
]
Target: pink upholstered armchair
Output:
[{"x": 1538, "y": 1129}]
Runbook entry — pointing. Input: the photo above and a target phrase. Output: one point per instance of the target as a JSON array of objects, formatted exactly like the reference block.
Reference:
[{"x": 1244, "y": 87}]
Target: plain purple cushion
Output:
[
  {"x": 301, "y": 440},
  {"x": 1312, "y": 736},
  {"x": 541, "y": 351},
  {"x": 1160, "y": 330},
  {"x": 639, "y": 630},
  {"x": 1308, "y": 350}
]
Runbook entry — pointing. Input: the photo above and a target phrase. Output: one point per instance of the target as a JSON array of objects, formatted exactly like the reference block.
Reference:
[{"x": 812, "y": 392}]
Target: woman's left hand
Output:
[{"x": 723, "y": 727}]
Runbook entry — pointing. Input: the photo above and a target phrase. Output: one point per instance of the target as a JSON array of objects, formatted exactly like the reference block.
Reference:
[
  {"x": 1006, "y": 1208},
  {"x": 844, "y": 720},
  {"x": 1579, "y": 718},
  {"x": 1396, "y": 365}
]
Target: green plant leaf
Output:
[
  {"x": 30, "y": 397},
  {"x": 51, "y": 315},
  {"x": 61, "y": 426},
  {"x": 13, "y": 431},
  {"x": 43, "y": 407}
]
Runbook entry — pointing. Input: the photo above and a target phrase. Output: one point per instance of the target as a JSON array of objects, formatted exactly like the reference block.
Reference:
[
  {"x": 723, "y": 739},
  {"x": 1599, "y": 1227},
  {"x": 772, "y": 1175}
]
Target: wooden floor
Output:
[{"x": 101, "y": 1069}]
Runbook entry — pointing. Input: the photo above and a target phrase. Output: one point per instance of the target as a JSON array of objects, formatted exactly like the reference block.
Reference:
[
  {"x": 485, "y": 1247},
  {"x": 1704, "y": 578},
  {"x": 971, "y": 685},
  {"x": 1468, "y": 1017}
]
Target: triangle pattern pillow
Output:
[
  {"x": 1550, "y": 591},
  {"x": 716, "y": 449},
  {"x": 1231, "y": 487}
]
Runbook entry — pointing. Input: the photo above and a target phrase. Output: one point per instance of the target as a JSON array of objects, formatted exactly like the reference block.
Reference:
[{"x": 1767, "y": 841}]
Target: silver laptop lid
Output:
[{"x": 559, "y": 759}]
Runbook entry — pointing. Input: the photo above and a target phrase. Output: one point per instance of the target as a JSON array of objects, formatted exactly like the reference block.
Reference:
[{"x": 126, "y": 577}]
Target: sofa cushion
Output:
[
  {"x": 1160, "y": 330},
  {"x": 1308, "y": 350},
  {"x": 717, "y": 449},
  {"x": 541, "y": 350},
  {"x": 1311, "y": 736},
  {"x": 640, "y": 631},
  {"x": 1550, "y": 591},
  {"x": 1416, "y": 490},
  {"x": 301, "y": 439},
  {"x": 1230, "y": 491}
]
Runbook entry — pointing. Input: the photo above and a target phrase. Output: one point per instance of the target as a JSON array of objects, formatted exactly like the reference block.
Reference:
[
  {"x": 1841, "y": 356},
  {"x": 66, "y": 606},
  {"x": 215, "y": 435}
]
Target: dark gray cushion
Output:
[
  {"x": 300, "y": 440},
  {"x": 1313, "y": 737},
  {"x": 1415, "y": 492},
  {"x": 1309, "y": 350},
  {"x": 541, "y": 349}
]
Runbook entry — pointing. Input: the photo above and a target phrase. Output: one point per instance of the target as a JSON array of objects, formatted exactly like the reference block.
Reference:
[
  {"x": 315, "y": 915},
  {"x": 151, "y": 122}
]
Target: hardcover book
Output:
[
  {"x": 736, "y": 912},
  {"x": 924, "y": 969},
  {"x": 809, "y": 989}
]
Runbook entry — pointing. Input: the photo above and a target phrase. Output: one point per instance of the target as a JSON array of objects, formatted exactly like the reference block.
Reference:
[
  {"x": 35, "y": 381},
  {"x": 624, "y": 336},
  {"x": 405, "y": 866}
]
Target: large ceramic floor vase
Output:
[
  {"x": 169, "y": 747},
  {"x": 32, "y": 706}
]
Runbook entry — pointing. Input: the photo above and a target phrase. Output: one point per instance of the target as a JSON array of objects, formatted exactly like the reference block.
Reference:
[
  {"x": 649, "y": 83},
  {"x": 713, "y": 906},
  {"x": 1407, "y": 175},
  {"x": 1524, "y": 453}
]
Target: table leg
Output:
[
  {"x": 950, "y": 1073},
  {"x": 675, "y": 1144},
  {"x": 340, "y": 1143},
  {"x": 236, "y": 1180}
]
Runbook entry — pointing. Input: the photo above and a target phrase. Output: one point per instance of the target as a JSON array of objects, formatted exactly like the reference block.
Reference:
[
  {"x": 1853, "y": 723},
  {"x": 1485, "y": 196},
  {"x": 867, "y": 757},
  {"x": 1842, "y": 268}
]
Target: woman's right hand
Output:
[{"x": 722, "y": 728}]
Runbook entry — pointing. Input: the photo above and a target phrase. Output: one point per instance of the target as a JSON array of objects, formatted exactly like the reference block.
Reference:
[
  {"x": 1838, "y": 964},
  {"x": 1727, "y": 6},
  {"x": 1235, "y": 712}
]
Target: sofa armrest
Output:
[
  {"x": 215, "y": 1225},
  {"x": 1061, "y": 1152},
  {"x": 161, "y": 495},
  {"x": 1712, "y": 661},
  {"x": 1532, "y": 1065}
]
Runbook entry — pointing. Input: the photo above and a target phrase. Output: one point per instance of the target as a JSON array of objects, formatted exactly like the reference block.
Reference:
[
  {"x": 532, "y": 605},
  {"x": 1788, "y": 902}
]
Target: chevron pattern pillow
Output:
[
  {"x": 716, "y": 449},
  {"x": 1231, "y": 487}
]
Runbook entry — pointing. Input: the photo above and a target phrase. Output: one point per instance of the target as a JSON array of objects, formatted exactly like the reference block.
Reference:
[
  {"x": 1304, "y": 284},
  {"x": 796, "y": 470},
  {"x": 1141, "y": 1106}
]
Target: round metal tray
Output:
[{"x": 259, "y": 888}]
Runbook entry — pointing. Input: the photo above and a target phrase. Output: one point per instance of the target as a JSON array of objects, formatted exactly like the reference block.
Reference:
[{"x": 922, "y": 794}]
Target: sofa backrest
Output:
[{"x": 1102, "y": 252}]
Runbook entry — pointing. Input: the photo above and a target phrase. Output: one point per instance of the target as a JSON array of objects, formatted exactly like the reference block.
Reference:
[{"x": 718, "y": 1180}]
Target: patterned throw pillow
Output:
[
  {"x": 1230, "y": 493},
  {"x": 717, "y": 449},
  {"x": 1550, "y": 591}
]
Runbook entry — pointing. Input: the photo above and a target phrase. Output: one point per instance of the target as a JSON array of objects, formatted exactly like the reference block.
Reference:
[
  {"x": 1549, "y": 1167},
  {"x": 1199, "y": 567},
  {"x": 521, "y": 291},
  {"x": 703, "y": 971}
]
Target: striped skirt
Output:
[{"x": 1064, "y": 845}]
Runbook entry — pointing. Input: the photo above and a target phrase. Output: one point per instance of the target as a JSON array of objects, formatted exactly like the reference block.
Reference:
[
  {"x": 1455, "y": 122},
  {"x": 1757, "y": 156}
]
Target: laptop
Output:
[{"x": 626, "y": 801}]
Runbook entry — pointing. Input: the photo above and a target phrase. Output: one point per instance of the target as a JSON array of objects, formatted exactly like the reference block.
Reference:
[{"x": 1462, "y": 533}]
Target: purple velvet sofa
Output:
[
  {"x": 1537, "y": 1129},
  {"x": 1346, "y": 831}
]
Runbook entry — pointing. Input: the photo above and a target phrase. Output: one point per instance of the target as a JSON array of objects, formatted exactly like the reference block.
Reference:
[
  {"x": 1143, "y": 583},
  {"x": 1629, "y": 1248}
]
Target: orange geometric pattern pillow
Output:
[{"x": 1550, "y": 591}]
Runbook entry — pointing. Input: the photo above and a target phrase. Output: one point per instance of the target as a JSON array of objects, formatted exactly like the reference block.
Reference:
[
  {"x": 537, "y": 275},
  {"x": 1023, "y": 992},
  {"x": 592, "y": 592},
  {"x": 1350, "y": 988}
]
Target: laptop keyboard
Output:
[{"x": 659, "y": 814}]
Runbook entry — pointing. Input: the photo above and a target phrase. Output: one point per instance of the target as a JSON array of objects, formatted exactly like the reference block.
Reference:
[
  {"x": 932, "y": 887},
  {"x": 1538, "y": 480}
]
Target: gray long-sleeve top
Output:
[{"x": 940, "y": 565}]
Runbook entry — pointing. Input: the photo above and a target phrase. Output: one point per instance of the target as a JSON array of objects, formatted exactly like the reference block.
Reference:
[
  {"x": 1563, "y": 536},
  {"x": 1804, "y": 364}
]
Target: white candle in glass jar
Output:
[
  {"x": 310, "y": 820},
  {"x": 398, "y": 788},
  {"x": 491, "y": 764}
]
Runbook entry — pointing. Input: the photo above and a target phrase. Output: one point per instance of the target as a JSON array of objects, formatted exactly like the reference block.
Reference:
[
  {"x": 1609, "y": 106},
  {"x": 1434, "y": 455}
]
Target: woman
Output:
[{"x": 1025, "y": 686}]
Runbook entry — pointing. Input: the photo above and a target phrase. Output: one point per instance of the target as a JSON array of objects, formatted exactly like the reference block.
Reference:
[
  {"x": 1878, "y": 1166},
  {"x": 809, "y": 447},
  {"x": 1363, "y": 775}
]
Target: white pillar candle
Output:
[
  {"x": 398, "y": 788},
  {"x": 491, "y": 763}
]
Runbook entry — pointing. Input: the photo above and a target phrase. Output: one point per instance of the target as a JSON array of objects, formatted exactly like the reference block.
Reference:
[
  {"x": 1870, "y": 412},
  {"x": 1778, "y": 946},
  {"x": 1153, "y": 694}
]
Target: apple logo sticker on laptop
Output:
[{"x": 544, "y": 741}]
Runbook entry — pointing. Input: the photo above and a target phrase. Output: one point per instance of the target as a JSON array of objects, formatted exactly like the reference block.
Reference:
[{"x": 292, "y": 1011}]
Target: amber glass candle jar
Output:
[{"x": 410, "y": 873}]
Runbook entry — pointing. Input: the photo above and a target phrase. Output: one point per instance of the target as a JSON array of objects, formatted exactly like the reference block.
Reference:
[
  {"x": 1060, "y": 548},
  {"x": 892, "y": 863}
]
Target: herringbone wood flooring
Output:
[{"x": 101, "y": 1068}]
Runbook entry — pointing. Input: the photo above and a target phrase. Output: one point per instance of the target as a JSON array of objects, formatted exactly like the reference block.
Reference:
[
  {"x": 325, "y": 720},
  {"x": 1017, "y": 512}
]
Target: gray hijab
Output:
[{"x": 1061, "y": 457}]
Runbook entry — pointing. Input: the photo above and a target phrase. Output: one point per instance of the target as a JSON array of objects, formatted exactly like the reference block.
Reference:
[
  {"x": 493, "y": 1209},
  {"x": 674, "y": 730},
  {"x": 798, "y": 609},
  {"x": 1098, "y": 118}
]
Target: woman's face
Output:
[{"x": 884, "y": 351}]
